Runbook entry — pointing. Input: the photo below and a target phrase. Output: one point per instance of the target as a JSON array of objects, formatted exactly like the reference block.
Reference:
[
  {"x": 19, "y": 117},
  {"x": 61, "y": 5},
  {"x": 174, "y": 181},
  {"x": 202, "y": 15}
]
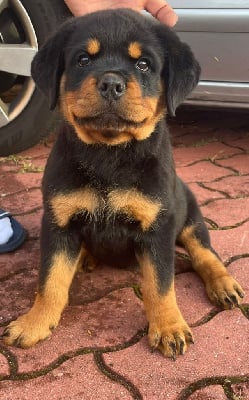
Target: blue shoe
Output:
[{"x": 18, "y": 237}]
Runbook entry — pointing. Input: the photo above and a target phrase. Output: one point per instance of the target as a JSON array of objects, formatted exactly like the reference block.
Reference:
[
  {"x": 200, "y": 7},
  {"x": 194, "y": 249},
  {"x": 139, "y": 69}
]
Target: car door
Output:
[{"x": 218, "y": 33}]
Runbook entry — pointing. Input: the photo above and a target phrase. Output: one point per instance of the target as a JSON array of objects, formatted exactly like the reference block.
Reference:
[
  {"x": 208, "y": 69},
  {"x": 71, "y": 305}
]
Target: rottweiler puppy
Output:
[{"x": 110, "y": 190}]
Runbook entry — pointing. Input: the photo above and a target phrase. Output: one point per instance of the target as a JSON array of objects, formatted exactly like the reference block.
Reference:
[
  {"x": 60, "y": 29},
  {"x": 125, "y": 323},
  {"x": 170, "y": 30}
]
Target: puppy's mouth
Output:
[
  {"x": 107, "y": 121},
  {"x": 106, "y": 128}
]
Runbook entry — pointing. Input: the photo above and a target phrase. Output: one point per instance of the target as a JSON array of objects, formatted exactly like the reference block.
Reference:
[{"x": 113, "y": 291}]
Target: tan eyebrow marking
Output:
[
  {"x": 93, "y": 46},
  {"x": 135, "y": 50}
]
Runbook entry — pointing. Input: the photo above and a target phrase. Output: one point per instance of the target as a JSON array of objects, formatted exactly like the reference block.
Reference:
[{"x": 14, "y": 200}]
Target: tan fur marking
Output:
[
  {"x": 135, "y": 50},
  {"x": 136, "y": 205},
  {"x": 206, "y": 264},
  {"x": 89, "y": 263},
  {"x": 93, "y": 47},
  {"x": 145, "y": 112},
  {"x": 65, "y": 206},
  {"x": 219, "y": 283},
  {"x": 81, "y": 103},
  {"x": 166, "y": 323},
  {"x": 45, "y": 314}
]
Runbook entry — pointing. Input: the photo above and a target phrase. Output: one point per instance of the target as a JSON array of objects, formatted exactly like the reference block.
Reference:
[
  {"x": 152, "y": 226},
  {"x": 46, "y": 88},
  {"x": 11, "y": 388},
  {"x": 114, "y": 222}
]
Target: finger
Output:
[
  {"x": 81, "y": 7},
  {"x": 162, "y": 11}
]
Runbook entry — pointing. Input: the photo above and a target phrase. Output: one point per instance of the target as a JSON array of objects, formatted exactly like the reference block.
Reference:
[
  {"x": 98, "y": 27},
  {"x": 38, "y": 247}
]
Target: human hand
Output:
[{"x": 158, "y": 8}]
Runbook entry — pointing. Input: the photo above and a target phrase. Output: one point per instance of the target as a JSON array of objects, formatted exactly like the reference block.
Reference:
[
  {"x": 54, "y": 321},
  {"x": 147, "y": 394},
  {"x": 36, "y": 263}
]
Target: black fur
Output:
[
  {"x": 146, "y": 165},
  {"x": 110, "y": 189}
]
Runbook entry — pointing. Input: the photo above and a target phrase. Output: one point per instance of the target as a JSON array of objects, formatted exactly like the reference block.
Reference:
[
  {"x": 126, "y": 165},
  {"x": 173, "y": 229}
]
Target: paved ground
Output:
[{"x": 100, "y": 349}]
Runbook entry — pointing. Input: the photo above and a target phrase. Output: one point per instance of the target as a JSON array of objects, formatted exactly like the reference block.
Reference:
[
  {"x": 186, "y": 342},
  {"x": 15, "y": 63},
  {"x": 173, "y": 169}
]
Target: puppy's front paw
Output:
[
  {"x": 170, "y": 336},
  {"x": 26, "y": 331},
  {"x": 225, "y": 291}
]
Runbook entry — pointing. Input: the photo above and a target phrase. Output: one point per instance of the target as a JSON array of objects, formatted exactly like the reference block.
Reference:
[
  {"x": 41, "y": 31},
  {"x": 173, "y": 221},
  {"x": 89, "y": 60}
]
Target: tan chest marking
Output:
[
  {"x": 130, "y": 202},
  {"x": 135, "y": 205},
  {"x": 65, "y": 206}
]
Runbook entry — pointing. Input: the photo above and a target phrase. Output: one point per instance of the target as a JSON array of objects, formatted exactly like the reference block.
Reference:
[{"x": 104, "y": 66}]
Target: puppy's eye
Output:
[
  {"x": 143, "y": 64},
  {"x": 83, "y": 59}
]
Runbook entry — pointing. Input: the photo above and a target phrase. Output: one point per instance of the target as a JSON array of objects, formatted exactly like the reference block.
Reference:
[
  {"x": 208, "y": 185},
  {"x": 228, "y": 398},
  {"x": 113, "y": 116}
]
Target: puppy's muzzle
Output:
[{"x": 111, "y": 86}]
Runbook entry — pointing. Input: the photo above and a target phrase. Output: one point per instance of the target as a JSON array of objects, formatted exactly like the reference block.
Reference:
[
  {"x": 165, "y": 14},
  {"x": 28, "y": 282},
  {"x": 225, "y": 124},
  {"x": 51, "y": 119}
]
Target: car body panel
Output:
[
  {"x": 209, "y": 4},
  {"x": 218, "y": 33}
]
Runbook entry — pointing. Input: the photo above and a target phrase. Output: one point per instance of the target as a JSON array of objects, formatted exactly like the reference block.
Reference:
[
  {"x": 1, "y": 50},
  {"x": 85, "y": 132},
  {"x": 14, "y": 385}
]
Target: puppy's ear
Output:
[
  {"x": 48, "y": 64},
  {"x": 181, "y": 70}
]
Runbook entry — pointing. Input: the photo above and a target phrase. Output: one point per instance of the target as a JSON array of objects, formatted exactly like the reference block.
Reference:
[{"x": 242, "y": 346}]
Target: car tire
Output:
[{"x": 31, "y": 125}]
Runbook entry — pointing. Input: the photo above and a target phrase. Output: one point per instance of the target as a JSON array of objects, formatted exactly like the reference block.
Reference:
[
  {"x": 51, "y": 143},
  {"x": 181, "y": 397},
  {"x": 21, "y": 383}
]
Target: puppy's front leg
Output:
[
  {"x": 60, "y": 255},
  {"x": 168, "y": 331}
]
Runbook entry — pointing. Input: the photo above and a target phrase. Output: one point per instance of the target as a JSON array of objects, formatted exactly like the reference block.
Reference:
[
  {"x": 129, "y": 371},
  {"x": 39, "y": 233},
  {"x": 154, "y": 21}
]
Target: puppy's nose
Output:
[{"x": 111, "y": 86}]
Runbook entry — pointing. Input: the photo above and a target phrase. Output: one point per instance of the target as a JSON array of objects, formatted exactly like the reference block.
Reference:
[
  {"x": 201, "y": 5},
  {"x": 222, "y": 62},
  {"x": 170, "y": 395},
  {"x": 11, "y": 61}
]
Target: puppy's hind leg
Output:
[{"x": 221, "y": 288}]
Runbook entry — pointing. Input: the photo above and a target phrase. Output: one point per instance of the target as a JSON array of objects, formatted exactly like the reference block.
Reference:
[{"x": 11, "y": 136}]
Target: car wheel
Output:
[{"x": 24, "y": 113}]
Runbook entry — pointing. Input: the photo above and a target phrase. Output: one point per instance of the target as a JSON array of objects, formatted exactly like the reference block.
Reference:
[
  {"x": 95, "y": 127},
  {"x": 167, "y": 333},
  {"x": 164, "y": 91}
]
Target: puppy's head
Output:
[{"x": 115, "y": 74}]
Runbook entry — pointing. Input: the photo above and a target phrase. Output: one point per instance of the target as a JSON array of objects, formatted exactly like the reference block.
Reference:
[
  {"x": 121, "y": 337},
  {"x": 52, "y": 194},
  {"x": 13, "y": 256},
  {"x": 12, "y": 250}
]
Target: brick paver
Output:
[{"x": 100, "y": 349}]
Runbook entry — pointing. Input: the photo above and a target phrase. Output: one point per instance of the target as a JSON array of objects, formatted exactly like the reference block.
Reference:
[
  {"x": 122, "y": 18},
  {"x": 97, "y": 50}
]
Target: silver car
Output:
[
  {"x": 217, "y": 30},
  {"x": 218, "y": 33}
]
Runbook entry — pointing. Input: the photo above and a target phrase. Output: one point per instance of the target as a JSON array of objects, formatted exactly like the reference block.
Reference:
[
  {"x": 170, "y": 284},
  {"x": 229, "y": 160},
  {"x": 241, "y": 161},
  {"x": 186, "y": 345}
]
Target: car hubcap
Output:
[{"x": 18, "y": 45}]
